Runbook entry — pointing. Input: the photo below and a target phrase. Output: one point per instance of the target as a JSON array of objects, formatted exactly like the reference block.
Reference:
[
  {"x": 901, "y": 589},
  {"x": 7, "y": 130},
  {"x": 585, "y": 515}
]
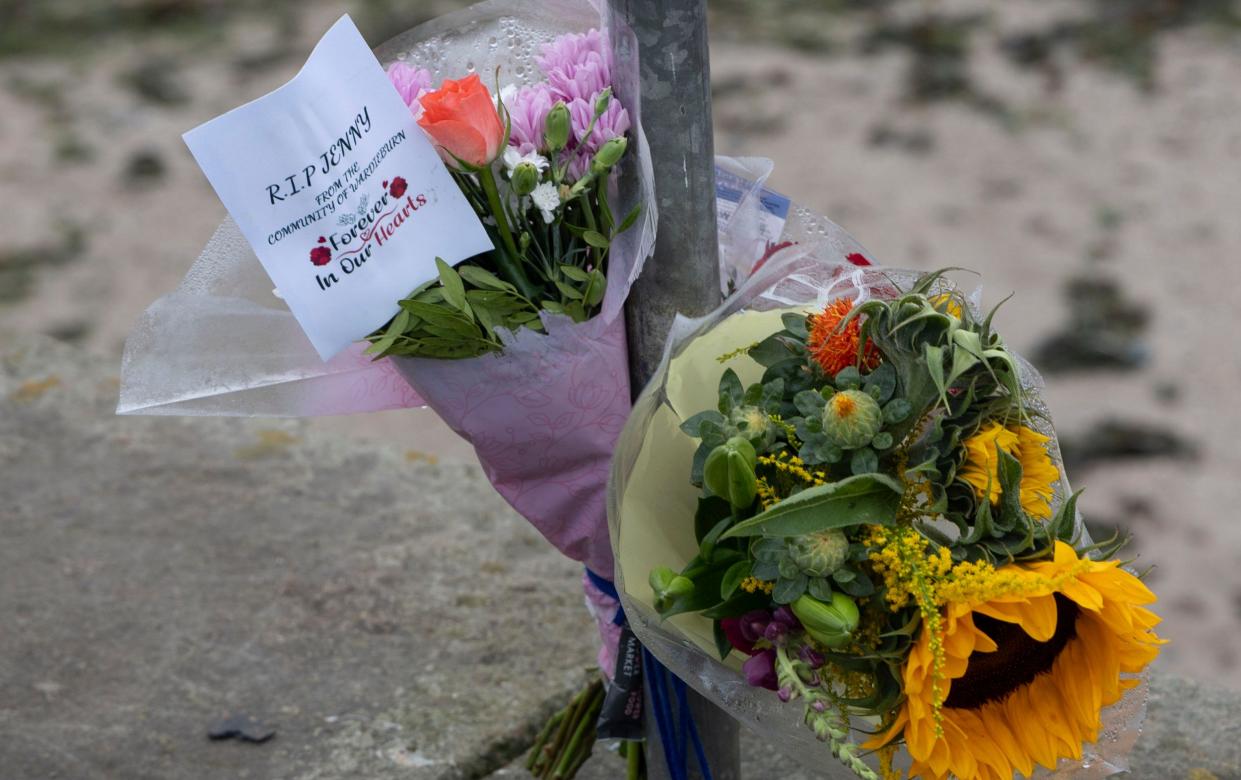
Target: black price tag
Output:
[{"x": 621, "y": 716}]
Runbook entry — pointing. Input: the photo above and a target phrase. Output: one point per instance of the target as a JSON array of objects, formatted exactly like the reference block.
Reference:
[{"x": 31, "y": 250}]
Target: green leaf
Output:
[
  {"x": 870, "y": 499},
  {"x": 597, "y": 289},
  {"x": 575, "y": 273},
  {"x": 454, "y": 288},
  {"x": 629, "y": 219},
  {"x": 568, "y": 291},
  {"x": 707, "y": 546},
  {"x": 864, "y": 461},
  {"x": 733, "y": 577},
  {"x": 766, "y": 570},
  {"x": 821, "y": 589},
  {"x": 731, "y": 391},
  {"x": 796, "y": 324},
  {"x": 935, "y": 367},
  {"x": 771, "y": 351},
  {"x": 596, "y": 239},
  {"x": 1062, "y": 524},
  {"x": 897, "y": 410},
  {"x": 1011, "y": 512},
  {"x": 481, "y": 277},
  {"x": 849, "y": 378},
  {"x": 881, "y": 383},
  {"x": 722, "y": 645},
  {"x": 788, "y": 590},
  {"x": 693, "y": 426},
  {"x": 399, "y": 323},
  {"x": 859, "y": 586},
  {"x": 810, "y": 403},
  {"x": 882, "y": 441}
]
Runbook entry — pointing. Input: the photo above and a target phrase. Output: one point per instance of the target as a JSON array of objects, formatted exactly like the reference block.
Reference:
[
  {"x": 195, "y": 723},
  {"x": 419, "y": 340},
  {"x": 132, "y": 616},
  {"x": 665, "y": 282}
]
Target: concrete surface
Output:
[{"x": 391, "y": 618}]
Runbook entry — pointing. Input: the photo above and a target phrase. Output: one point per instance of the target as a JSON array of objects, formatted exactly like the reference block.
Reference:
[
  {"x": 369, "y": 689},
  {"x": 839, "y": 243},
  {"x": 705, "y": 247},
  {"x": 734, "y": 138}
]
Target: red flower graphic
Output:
[
  {"x": 321, "y": 255},
  {"x": 398, "y": 187}
]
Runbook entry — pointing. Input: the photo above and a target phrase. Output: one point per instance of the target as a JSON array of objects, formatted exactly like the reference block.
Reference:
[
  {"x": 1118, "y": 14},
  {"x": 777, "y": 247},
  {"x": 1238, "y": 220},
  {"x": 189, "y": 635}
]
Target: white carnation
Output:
[
  {"x": 547, "y": 200},
  {"x": 513, "y": 158}
]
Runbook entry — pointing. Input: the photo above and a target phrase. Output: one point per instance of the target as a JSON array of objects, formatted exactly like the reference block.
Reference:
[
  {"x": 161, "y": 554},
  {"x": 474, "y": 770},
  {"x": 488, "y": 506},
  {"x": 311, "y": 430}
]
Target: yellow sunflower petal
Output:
[{"x": 1040, "y": 720}]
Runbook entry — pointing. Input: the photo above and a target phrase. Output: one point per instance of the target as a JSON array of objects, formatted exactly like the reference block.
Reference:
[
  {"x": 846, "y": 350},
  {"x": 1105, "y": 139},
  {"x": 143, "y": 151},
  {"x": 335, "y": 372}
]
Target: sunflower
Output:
[
  {"x": 835, "y": 348},
  {"x": 1032, "y": 654},
  {"x": 1029, "y": 447}
]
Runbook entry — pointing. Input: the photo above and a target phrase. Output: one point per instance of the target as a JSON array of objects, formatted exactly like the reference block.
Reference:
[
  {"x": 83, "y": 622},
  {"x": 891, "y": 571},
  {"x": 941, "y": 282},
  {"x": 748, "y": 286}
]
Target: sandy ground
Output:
[{"x": 1094, "y": 179}]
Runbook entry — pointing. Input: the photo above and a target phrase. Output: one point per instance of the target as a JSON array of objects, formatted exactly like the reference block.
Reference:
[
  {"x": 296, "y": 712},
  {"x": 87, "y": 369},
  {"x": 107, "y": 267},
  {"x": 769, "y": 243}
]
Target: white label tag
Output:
[{"x": 343, "y": 198}]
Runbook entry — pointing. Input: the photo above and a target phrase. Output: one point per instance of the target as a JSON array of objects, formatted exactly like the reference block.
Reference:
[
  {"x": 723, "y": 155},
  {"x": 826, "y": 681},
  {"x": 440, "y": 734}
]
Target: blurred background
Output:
[{"x": 1085, "y": 155}]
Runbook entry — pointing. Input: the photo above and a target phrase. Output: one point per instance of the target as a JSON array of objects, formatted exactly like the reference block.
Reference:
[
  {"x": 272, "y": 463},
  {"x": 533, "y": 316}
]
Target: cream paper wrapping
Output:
[{"x": 651, "y": 502}]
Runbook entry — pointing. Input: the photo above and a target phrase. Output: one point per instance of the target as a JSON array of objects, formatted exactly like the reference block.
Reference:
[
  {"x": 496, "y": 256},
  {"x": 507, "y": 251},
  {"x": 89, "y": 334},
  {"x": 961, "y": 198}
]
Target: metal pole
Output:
[{"x": 683, "y": 275}]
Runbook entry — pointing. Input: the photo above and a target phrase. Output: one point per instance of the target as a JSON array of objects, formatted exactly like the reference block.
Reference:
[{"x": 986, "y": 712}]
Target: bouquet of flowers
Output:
[
  {"x": 521, "y": 350},
  {"x": 856, "y": 502},
  {"x": 557, "y": 143}
]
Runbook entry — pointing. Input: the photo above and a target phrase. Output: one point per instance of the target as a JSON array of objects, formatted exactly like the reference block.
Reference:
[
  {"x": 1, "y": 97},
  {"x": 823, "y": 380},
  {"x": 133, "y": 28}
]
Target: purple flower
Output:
[
  {"x": 751, "y": 625},
  {"x": 578, "y": 66},
  {"x": 760, "y": 670},
  {"x": 528, "y": 107},
  {"x": 813, "y": 658},
  {"x": 613, "y": 123},
  {"x": 785, "y": 615},
  {"x": 411, "y": 82}
]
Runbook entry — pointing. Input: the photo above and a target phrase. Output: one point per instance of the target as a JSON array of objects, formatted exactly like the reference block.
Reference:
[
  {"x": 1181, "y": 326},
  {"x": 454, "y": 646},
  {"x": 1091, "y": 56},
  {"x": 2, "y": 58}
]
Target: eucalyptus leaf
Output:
[{"x": 789, "y": 590}]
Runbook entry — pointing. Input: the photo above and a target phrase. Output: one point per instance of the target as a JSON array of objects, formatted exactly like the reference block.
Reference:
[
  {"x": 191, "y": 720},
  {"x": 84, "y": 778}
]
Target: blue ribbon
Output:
[{"x": 677, "y": 731}]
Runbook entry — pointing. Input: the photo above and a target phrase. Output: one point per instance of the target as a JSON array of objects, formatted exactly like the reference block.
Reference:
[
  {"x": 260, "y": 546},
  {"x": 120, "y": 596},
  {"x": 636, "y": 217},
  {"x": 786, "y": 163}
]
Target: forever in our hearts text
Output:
[{"x": 374, "y": 228}]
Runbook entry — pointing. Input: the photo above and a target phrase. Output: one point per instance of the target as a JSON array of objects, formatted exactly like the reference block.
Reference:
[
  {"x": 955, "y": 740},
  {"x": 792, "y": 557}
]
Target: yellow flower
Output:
[
  {"x": 946, "y": 303},
  {"x": 1029, "y": 447},
  {"x": 1027, "y": 670}
]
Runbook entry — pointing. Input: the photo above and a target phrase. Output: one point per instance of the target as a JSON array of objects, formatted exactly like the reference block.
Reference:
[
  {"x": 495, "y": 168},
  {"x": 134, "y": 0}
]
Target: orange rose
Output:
[{"x": 461, "y": 119}]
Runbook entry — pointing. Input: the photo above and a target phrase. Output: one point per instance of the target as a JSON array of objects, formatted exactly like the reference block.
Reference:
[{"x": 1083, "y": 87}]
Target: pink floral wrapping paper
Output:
[{"x": 543, "y": 418}]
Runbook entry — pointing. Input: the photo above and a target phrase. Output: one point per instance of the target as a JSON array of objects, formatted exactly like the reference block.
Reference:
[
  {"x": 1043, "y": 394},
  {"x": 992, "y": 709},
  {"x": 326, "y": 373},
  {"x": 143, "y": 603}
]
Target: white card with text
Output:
[{"x": 343, "y": 198}]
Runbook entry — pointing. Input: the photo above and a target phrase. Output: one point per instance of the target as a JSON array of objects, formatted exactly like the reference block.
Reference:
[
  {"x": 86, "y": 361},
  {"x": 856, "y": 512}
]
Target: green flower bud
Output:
[
  {"x": 525, "y": 178},
  {"x": 830, "y": 624},
  {"x": 556, "y": 131},
  {"x": 729, "y": 472},
  {"x": 851, "y": 419},
  {"x": 668, "y": 586},
  {"x": 609, "y": 154},
  {"x": 819, "y": 554},
  {"x": 601, "y": 102}
]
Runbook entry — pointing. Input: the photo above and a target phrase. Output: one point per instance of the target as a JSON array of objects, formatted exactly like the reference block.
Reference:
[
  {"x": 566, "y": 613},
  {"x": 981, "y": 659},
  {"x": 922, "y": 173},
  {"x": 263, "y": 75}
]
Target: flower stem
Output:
[
  {"x": 828, "y": 725},
  {"x": 507, "y": 256}
]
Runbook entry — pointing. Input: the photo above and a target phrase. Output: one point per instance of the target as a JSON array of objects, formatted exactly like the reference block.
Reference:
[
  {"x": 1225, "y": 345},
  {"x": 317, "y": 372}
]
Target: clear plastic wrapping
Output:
[{"x": 651, "y": 501}]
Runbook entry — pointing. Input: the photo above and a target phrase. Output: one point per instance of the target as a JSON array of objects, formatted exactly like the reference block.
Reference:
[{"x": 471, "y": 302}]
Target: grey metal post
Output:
[{"x": 683, "y": 276}]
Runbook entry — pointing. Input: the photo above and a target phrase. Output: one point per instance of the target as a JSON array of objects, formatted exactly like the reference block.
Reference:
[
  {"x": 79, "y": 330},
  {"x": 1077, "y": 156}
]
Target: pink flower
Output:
[
  {"x": 528, "y": 107},
  {"x": 614, "y": 123},
  {"x": 578, "y": 66},
  {"x": 411, "y": 83}
]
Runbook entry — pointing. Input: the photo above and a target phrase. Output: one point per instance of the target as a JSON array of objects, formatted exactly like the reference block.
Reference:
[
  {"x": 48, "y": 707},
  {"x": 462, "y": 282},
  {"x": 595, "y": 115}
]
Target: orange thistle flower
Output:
[{"x": 835, "y": 348}]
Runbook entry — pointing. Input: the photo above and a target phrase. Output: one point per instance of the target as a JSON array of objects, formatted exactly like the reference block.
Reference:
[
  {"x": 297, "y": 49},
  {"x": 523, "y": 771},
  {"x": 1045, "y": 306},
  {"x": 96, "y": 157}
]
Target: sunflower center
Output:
[{"x": 1017, "y": 660}]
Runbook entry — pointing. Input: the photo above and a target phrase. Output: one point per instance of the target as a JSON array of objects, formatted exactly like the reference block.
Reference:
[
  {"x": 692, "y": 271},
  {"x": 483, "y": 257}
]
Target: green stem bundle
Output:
[{"x": 567, "y": 740}]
